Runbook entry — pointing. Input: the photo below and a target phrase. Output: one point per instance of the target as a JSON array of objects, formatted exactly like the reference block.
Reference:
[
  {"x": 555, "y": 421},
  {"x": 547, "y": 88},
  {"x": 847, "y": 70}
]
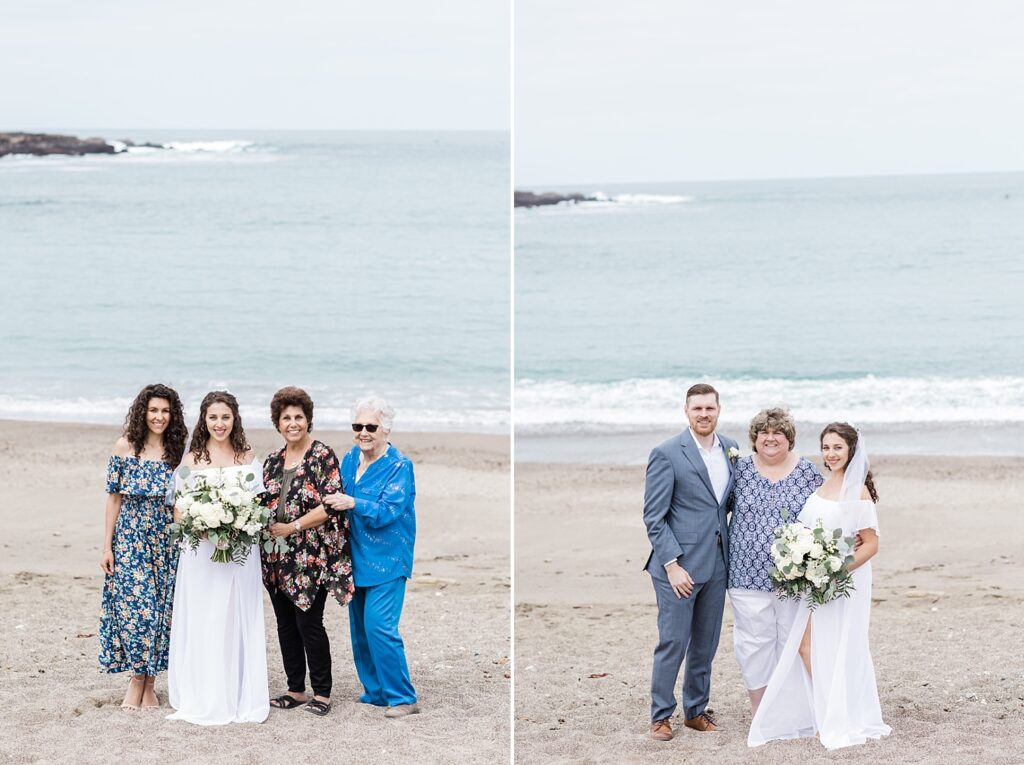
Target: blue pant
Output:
[
  {"x": 687, "y": 627},
  {"x": 377, "y": 647}
]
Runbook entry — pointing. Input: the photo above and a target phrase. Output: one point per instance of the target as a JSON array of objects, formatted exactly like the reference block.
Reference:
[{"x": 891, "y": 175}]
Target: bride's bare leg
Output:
[
  {"x": 805, "y": 647},
  {"x": 755, "y": 699}
]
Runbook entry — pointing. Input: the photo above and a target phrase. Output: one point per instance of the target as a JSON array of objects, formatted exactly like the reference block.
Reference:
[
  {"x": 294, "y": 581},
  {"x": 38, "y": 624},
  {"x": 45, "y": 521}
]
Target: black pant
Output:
[{"x": 303, "y": 638}]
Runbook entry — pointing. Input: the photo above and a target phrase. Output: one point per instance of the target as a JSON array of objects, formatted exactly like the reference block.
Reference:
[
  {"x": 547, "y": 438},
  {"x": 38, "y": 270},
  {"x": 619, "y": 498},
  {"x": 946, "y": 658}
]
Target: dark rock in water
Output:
[
  {"x": 146, "y": 145},
  {"x": 531, "y": 199},
  {"x": 40, "y": 144}
]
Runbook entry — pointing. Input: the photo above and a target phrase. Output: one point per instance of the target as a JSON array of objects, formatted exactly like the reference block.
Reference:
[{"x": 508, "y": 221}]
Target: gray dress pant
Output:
[{"x": 687, "y": 627}]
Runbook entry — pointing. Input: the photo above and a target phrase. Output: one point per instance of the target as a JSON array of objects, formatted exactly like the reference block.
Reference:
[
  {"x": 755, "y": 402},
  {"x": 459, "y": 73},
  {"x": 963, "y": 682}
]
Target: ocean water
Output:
[
  {"x": 896, "y": 303},
  {"x": 343, "y": 262}
]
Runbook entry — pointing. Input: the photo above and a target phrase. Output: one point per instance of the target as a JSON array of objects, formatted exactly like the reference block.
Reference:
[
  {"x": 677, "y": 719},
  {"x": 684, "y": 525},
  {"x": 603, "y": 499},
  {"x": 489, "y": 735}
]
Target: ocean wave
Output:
[
  {"x": 599, "y": 201},
  {"x": 642, "y": 404},
  {"x": 334, "y": 415},
  {"x": 210, "y": 147},
  {"x": 639, "y": 199},
  {"x": 186, "y": 147}
]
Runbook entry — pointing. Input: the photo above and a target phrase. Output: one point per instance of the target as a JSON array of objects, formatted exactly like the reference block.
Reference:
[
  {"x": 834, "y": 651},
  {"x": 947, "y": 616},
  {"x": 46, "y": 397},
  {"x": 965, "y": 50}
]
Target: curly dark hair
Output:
[
  {"x": 136, "y": 430},
  {"x": 200, "y": 444},
  {"x": 291, "y": 396},
  {"x": 848, "y": 433}
]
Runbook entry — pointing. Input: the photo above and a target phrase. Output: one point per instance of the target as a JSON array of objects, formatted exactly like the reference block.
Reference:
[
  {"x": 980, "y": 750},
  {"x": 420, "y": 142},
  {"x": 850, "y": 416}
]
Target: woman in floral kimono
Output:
[
  {"x": 380, "y": 499},
  {"x": 297, "y": 478}
]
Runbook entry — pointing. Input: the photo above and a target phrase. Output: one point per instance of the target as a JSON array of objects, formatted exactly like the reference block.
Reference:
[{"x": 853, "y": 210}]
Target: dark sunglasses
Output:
[{"x": 357, "y": 427}]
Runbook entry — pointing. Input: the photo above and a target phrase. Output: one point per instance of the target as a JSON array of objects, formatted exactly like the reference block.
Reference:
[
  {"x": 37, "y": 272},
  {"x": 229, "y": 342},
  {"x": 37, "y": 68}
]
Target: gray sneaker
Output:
[{"x": 401, "y": 710}]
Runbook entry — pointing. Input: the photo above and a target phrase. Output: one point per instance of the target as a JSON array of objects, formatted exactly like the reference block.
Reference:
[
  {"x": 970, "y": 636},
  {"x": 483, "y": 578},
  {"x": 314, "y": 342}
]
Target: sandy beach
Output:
[
  {"x": 59, "y": 708},
  {"x": 946, "y": 624}
]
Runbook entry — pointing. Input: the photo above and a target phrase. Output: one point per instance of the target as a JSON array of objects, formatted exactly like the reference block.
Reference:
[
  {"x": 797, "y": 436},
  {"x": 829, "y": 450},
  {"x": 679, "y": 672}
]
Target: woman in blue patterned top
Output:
[
  {"x": 771, "y": 487},
  {"x": 138, "y": 557},
  {"x": 380, "y": 503}
]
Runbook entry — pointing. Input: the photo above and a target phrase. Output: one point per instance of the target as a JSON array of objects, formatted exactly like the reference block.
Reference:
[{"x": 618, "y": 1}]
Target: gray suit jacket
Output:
[{"x": 684, "y": 520}]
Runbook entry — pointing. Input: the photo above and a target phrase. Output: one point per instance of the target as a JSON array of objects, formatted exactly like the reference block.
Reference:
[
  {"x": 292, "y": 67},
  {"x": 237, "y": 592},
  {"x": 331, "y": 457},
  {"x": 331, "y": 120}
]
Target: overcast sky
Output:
[
  {"x": 665, "y": 90},
  {"x": 305, "y": 64}
]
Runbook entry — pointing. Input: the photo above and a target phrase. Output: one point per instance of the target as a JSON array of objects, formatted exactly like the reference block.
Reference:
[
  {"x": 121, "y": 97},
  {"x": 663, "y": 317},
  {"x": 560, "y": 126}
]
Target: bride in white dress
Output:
[
  {"x": 824, "y": 683},
  {"x": 217, "y": 668}
]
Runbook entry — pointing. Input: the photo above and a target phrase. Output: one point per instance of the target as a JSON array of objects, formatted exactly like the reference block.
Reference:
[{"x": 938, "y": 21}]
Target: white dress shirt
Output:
[{"x": 716, "y": 463}]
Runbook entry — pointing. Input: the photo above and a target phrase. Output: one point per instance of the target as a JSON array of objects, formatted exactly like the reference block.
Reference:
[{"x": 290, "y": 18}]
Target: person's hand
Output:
[
  {"x": 857, "y": 542},
  {"x": 282, "y": 529},
  {"x": 680, "y": 579},
  {"x": 107, "y": 562},
  {"x": 340, "y": 501}
]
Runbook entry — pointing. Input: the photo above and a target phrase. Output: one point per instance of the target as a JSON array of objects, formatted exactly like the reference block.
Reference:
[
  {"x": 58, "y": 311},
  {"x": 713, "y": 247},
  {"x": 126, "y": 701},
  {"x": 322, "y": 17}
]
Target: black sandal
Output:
[
  {"x": 317, "y": 707},
  {"x": 287, "y": 701}
]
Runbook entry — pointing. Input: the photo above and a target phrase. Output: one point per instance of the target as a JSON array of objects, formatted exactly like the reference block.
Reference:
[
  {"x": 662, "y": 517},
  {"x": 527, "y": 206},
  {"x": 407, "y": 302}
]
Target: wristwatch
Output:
[{"x": 298, "y": 526}]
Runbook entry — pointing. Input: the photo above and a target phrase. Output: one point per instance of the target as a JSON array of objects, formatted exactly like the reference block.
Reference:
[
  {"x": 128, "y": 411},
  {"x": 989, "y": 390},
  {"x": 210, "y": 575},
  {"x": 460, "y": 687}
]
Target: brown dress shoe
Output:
[
  {"x": 702, "y": 722},
  {"x": 661, "y": 730}
]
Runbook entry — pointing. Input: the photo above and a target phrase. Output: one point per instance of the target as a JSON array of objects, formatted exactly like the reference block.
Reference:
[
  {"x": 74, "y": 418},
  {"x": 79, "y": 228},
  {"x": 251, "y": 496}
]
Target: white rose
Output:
[
  {"x": 212, "y": 514},
  {"x": 834, "y": 563},
  {"x": 182, "y": 503},
  {"x": 817, "y": 574},
  {"x": 801, "y": 546},
  {"x": 233, "y": 496},
  {"x": 817, "y": 550}
]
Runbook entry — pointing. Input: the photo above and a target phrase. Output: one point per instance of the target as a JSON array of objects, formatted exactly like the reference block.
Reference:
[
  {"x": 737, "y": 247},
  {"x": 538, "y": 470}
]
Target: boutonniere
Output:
[{"x": 733, "y": 454}]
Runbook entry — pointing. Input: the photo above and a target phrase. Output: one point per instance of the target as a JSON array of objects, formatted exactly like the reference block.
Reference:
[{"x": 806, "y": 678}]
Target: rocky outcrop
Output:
[
  {"x": 41, "y": 144},
  {"x": 532, "y": 199}
]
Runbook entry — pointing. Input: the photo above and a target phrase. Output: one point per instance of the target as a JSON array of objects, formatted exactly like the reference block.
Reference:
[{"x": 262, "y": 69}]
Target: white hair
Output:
[{"x": 378, "y": 406}]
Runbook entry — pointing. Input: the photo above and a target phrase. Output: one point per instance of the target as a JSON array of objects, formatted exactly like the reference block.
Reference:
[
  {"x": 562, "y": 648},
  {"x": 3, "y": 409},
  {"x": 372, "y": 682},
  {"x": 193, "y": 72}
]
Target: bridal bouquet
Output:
[
  {"x": 220, "y": 508},
  {"x": 812, "y": 562}
]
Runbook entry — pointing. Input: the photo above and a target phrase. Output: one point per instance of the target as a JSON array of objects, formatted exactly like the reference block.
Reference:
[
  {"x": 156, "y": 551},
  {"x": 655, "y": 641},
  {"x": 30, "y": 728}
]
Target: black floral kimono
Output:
[{"x": 318, "y": 557}]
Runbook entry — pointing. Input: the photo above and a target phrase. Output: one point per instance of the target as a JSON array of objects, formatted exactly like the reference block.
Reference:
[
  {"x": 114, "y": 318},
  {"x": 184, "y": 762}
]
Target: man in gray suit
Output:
[{"x": 689, "y": 478}]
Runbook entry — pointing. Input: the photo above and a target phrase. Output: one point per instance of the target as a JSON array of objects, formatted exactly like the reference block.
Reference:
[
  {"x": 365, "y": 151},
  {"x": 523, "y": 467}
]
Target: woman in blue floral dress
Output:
[{"x": 138, "y": 557}]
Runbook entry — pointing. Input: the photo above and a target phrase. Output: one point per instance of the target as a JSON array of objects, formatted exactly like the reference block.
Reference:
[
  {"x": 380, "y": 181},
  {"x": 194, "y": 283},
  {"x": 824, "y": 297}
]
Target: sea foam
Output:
[{"x": 642, "y": 404}]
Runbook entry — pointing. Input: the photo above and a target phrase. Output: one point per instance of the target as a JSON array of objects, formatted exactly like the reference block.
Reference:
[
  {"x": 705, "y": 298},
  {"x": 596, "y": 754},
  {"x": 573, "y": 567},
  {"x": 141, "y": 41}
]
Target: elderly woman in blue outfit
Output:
[{"x": 381, "y": 491}]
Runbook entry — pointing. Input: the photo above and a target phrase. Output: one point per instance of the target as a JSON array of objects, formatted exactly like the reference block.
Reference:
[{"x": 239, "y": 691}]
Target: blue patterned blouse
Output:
[
  {"x": 136, "y": 477},
  {"x": 757, "y": 506},
  {"x": 383, "y": 522}
]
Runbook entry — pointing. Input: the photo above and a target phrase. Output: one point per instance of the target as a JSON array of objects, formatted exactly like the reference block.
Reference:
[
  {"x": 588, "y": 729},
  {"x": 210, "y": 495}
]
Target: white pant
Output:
[{"x": 762, "y": 624}]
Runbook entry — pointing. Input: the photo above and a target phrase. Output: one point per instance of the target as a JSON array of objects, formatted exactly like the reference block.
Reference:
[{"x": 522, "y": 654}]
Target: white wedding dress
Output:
[
  {"x": 840, "y": 703},
  {"x": 217, "y": 668}
]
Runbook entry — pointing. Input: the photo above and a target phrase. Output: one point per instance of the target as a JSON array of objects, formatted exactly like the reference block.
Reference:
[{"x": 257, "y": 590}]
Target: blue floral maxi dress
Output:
[{"x": 135, "y": 624}]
